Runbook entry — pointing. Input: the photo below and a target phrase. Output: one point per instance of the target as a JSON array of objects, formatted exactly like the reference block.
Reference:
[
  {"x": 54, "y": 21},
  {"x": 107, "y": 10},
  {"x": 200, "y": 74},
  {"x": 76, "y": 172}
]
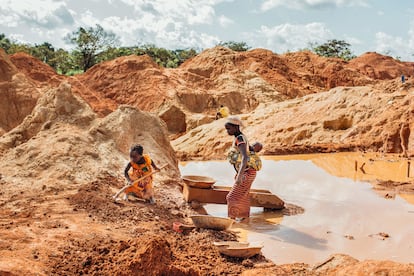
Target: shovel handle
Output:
[{"x": 139, "y": 179}]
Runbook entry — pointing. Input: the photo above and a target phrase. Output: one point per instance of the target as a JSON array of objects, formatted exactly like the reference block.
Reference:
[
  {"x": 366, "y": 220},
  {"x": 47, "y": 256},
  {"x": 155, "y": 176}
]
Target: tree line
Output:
[{"x": 94, "y": 45}]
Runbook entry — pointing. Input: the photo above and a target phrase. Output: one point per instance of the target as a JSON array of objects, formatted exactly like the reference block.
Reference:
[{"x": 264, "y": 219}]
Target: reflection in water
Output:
[
  {"x": 291, "y": 235},
  {"x": 408, "y": 197},
  {"x": 336, "y": 207},
  {"x": 369, "y": 166}
]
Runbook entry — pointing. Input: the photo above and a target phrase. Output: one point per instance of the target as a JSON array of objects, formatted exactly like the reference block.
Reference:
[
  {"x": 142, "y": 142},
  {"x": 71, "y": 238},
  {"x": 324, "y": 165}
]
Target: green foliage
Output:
[
  {"x": 163, "y": 57},
  {"x": 333, "y": 48},
  {"x": 93, "y": 45},
  {"x": 63, "y": 62},
  {"x": 91, "y": 42},
  {"x": 45, "y": 52},
  {"x": 235, "y": 46},
  {"x": 184, "y": 54},
  {"x": 5, "y": 43},
  {"x": 15, "y": 48}
]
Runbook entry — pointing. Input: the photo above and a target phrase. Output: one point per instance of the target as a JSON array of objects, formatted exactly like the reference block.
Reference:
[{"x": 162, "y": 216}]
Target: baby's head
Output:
[
  {"x": 257, "y": 146},
  {"x": 136, "y": 153}
]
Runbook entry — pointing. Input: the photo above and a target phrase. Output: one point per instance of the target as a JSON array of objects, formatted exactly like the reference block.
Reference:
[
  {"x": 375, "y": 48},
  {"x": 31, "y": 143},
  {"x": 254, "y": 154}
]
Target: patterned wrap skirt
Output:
[{"x": 238, "y": 199}]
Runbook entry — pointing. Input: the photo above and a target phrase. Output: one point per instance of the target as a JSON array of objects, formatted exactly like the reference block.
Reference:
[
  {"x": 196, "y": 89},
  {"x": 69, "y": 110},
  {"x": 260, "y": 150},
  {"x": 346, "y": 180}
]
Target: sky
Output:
[{"x": 382, "y": 26}]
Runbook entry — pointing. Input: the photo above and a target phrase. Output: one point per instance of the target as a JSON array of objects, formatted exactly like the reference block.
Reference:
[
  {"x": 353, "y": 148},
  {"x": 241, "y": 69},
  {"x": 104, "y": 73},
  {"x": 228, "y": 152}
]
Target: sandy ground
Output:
[{"x": 61, "y": 155}]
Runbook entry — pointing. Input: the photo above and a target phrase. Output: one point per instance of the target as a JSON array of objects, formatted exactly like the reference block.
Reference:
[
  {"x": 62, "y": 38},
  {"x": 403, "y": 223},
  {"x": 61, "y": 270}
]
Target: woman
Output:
[{"x": 238, "y": 199}]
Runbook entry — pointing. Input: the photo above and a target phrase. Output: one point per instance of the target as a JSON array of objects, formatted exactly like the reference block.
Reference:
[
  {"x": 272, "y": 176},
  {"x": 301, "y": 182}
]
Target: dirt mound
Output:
[
  {"x": 7, "y": 68},
  {"x": 33, "y": 68},
  {"x": 133, "y": 80},
  {"x": 292, "y": 74},
  {"x": 377, "y": 66},
  {"x": 85, "y": 148},
  {"x": 239, "y": 80},
  {"x": 216, "y": 77},
  {"x": 301, "y": 73},
  {"x": 19, "y": 95},
  {"x": 149, "y": 245},
  {"x": 96, "y": 199},
  {"x": 149, "y": 254},
  {"x": 344, "y": 119},
  {"x": 67, "y": 122}
]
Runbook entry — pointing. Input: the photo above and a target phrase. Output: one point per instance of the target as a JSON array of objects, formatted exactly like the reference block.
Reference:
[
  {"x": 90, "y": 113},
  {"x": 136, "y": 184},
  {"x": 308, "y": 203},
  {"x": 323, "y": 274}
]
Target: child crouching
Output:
[{"x": 141, "y": 165}]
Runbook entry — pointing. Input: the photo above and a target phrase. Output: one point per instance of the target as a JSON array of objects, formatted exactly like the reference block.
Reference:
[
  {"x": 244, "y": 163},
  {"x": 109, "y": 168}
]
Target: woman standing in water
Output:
[{"x": 238, "y": 199}]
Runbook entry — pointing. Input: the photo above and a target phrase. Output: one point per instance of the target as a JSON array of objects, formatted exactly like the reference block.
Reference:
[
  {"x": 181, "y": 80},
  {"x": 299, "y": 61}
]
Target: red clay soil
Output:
[
  {"x": 34, "y": 68},
  {"x": 295, "y": 74},
  {"x": 18, "y": 94},
  {"x": 213, "y": 77},
  {"x": 381, "y": 67},
  {"x": 133, "y": 80},
  {"x": 150, "y": 247},
  {"x": 7, "y": 68}
]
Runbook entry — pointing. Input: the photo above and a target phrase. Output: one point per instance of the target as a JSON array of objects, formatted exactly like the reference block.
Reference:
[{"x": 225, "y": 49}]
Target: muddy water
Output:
[{"x": 343, "y": 214}]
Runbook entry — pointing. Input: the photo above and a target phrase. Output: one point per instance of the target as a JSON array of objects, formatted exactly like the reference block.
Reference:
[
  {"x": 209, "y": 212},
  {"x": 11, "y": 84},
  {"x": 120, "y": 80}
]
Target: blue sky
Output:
[{"x": 279, "y": 25}]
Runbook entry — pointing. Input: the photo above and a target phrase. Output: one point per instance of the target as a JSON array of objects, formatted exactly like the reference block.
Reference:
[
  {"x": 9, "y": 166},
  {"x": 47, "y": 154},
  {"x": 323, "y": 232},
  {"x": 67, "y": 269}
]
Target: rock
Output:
[{"x": 175, "y": 119}]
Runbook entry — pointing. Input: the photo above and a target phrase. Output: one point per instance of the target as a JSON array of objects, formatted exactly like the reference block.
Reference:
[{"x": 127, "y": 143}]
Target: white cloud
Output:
[
  {"x": 45, "y": 13},
  {"x": 396, "y": 45},
  {"x": 225, "y": 21},
  {"x": 8, "y": 20},
  {"x": 163, "y": 32},
  {"x": 311, "y": 4},
  {"x": 189, "y": 11},
  {"x": 352, "y": 40},
  {"x": 289, "y": 37},
  {"x": 18, "y": 37}
]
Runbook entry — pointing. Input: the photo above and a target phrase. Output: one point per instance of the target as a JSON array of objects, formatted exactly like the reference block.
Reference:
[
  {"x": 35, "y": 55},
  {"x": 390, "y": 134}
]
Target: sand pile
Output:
[
  {"x": 59, "y": 147},
  {"x": 67, "y": 122},
  {"x": 18, "y": 95},
  {"x": 33, "y": 68},
  {"x": 379, "y": 67},
  {"x": 301, "y": 73},
  {"x": 133, "y": 80},
  {"x": 239, "y": 80},
  {"x": 215, "y": 78},
  {"x": 341, "y": 119}
]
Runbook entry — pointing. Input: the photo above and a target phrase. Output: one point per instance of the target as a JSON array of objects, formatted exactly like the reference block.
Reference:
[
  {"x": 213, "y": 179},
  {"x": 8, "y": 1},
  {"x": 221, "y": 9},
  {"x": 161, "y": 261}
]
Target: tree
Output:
[
  {"x": 91, "y": 42},
  {"x": 45, "y": 52},
  {"x": 333, "y": 48},
  {"x": 63, "y": 62},
  {"x": 16, "y": 47},
  {"x": 184, "y": 54},
  {"x": 235, "y": 46},
  {"x": 5, "y": 43}
]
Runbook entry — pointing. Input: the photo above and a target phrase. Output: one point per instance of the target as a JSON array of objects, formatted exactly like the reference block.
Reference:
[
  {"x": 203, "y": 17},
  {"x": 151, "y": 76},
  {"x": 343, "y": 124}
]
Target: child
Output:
[
  {"x": 141, "y": 165},
  {"x": 253, "y": 149},
  {"x": 256, "y": 147}
]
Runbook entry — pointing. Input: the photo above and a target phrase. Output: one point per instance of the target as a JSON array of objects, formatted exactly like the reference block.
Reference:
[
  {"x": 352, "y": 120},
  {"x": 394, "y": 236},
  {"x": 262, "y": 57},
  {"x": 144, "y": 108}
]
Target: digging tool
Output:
[{"x": 139, "y": 179}]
